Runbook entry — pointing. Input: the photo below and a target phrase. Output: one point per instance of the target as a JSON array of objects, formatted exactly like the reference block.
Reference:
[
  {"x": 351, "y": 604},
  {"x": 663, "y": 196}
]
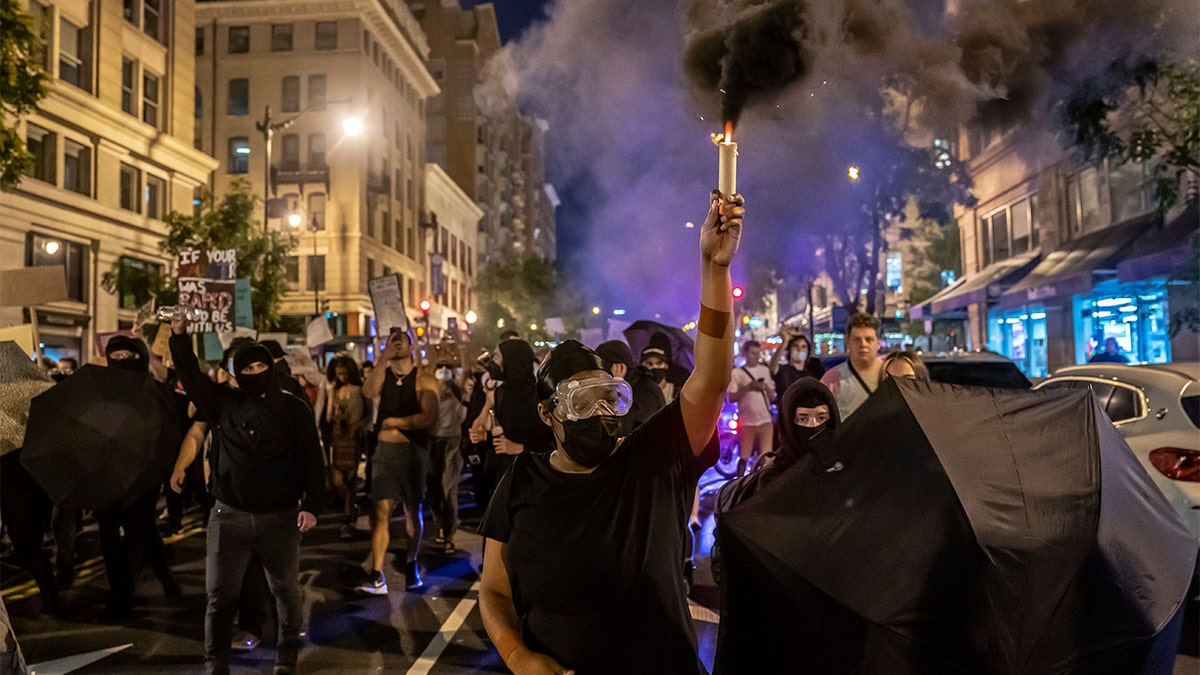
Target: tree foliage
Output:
[
  {"x": 226, "y": 224},
  {"x": 22, "y": 86},
  {"x": 525, "y": 290},
  {"x": 1147, "y": 112},
  {"x": 928, "y": 177}
]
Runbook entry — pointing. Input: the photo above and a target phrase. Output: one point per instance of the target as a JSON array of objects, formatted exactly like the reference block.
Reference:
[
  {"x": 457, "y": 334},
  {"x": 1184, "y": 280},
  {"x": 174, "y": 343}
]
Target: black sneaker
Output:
[
  {"x": 412, "y": 577},
  {"x": 376, "y": 584}
]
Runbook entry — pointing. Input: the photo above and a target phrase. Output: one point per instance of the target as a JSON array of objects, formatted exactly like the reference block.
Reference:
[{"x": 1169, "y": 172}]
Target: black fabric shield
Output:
[{"x": 968, "y": 532}]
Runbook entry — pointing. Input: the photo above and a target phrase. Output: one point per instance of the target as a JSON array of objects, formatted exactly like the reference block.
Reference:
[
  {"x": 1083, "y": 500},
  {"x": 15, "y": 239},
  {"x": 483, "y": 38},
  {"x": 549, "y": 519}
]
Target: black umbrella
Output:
[
  {"x": 679, "y": 347},
  {"x": 101, "y": 438},
  {"x": 970, "y": 531}
]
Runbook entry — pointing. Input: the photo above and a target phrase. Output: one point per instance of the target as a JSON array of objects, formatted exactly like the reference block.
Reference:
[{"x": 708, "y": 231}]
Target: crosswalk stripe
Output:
[{"x": 446, "y": 633}]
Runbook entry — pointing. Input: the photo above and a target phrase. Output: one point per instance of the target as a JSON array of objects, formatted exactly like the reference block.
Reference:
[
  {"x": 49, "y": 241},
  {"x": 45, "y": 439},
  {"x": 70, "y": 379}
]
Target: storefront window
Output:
[
  {"x": 1135, "y": 315},
  {"x": 1021, "y": 336}
]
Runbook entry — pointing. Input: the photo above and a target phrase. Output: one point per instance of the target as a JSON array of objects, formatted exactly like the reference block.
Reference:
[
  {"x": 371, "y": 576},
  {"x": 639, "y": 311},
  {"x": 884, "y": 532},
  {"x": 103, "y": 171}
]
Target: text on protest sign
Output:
[{"x": 207, "y": 282}]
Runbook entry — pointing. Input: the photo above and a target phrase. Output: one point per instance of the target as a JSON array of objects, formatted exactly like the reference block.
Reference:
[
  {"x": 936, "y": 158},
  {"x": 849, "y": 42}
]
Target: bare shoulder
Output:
[{"x": 427, "y": 382}]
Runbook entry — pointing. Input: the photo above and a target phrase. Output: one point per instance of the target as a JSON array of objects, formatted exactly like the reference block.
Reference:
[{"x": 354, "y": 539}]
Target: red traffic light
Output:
[
  {"x": 738, "y": 292},
  {"x": 425, "y": 305}
]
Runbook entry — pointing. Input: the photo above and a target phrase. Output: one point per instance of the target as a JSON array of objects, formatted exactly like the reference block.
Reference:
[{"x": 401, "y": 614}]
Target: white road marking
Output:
[
  {"x": 69, "y": 664},
  {"x": 445, "y": 634}
]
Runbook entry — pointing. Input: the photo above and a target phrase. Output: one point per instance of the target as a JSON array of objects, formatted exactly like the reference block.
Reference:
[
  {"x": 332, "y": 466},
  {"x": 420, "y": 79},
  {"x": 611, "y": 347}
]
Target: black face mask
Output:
[
  {"x": 590, "y": 441},
  {"x": 812, "y": 431},
  {"x": 659, "y": 375},
  {"x": 256, "y": 384},
  {"x": 495, "y": 371}
]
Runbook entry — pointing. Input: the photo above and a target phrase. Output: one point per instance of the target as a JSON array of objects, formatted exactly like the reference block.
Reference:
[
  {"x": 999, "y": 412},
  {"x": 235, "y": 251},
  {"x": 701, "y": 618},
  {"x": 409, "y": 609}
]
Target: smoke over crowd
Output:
[{"x": 631, "y": 92}]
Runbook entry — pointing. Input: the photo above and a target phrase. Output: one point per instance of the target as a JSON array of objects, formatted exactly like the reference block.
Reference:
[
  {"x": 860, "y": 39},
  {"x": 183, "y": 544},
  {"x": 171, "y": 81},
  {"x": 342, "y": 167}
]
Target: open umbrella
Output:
[
  {"x": 970, "y": 531},
  {"x": 20, "y": 381},
  {"x": 101, "y": 438},
  {"x": 679, "y": 347}
]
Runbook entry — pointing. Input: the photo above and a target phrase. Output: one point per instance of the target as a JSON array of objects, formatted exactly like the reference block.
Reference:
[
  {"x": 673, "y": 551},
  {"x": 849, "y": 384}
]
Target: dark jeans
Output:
[
  {"x": 124, "y": 556},
  {"x": 443, "y": 481},
  {"x": 233, "y": 537},
  {"x": 25, "y": 509}
]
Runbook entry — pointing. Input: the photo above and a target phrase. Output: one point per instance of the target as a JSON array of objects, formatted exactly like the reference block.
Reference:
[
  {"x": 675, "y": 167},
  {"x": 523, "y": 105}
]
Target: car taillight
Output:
[{"x": 1177, "y": 463}]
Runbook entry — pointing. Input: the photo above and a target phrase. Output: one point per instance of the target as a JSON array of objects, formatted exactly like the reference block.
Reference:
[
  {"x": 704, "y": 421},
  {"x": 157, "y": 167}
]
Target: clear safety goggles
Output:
[{"x": 580, "y": 399}]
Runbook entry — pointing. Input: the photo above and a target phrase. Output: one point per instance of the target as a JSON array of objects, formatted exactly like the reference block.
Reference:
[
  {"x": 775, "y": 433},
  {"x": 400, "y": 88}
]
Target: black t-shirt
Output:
[{"x": 594, "y": 559}]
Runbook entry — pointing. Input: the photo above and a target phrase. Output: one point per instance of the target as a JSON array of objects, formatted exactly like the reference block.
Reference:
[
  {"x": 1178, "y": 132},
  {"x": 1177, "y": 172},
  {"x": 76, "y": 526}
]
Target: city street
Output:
[{"x": 438, "y": 630}]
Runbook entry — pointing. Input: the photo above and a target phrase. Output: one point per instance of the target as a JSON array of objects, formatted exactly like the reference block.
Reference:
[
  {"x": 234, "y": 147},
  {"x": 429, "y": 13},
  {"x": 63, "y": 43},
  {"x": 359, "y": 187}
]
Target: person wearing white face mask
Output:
[
  {"x": 445, "y": 449},
  {"x": 801, "y": 362}
]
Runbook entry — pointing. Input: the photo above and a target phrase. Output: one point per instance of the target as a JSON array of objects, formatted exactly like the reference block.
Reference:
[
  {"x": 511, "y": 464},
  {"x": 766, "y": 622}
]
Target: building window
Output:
[
  {"x": 399, "y": 235},
  {"x": 77, "y": 167},
  {"x": 130, "y": 187},
  {"x": 44, "y": 251},
  {"x": 152, "y": 23},
  {"x": 133, "y": 268},
  {"x": 239, "y": 155},
  {"x": 129, "y": 86},
  {"x": 386, "y": 222},
  {"x": 1083, "y": 201},
  {"x": 199, "y": 42},
  {"x": 239, "y": 39},
  {"x": 292, "y": 273},
  {"x": 316, "y": 272},
  {"x": 291, "y": 152},
  {"x": 39, "y": 143},
  {"x": 150, "y": 97},
  {"x": 370, "y": 268},
  {"x": 239, "y": 96},
  {"x": 1020, "y": 219},
  {"x": 281, "y": 37},
  {"x": 198, "y": 105},
  {"x": 71, "y": 51},
  {"x": 291, "y": 93},
  {"x": 316, "y": 151},
  {"x": 326, "y": 35},
  {"x": 1130, "y": 191},
  {"x": 316, "y": 92},
  {"x": 316, "y": 209},
  {"x": 156, "y": 197},
  {"x": 1009, "y": 231}
]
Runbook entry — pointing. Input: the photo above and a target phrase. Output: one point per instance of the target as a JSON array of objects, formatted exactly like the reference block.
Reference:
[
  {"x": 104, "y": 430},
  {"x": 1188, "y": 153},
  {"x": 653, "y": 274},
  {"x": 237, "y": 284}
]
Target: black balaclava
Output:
[
  {"x": 258, "y": 383},
  {"x": 139, "y": 362},
  {"x": 804, "y": 393},
  {"x": 518, "y": 366},
  {"x": 590, "y": 441}
]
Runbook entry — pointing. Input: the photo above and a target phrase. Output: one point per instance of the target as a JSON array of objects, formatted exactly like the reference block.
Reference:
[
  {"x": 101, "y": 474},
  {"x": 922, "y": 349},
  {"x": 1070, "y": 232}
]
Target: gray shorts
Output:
[{"x": 398, "y": 471}]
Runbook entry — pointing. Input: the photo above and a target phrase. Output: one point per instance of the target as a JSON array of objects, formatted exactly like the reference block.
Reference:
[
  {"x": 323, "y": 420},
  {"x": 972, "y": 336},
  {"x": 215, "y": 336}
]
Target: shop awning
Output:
[
  {"x": 1161, "y": 252},
  {"x": 952, "y": 301},
  {"x": 1068, "y": 270}
]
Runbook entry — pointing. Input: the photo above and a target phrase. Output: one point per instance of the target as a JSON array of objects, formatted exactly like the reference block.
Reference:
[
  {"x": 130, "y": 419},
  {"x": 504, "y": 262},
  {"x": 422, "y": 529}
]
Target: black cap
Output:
[
  {"x": 254, "y": 352},
  {"x": 565, "y": 360},
  {"x": 615, "y": 351}
]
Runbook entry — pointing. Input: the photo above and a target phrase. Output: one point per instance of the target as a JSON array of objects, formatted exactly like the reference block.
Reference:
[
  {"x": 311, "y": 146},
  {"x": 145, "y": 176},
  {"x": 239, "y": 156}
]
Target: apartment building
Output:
[
  {"x": 346, "y": 86},
  {"x": 112, "y": 156}
]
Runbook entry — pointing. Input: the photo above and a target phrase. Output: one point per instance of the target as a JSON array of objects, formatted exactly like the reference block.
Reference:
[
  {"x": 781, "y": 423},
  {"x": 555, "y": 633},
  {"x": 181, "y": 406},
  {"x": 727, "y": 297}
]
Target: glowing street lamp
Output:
[
  {"x": 471, "y": 317},
  {"x": 353, "y": 126},
  {"x": 595, "y": 310},
  {"x": 853, "y": 173}
]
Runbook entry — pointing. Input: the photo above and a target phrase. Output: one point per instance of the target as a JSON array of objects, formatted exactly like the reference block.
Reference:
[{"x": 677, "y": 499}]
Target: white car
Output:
[{"x": 1157, "y": 410}]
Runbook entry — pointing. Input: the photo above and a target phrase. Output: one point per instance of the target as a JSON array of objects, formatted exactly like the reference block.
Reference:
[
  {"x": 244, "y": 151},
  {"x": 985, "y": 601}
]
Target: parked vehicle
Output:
[
  {"x": 1157, "y": 410},
  {"x": 977, "y": 369}
]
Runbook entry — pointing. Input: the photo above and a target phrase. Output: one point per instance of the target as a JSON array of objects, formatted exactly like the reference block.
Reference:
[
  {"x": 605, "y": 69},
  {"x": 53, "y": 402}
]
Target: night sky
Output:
[{"x": 514, "y": 16}]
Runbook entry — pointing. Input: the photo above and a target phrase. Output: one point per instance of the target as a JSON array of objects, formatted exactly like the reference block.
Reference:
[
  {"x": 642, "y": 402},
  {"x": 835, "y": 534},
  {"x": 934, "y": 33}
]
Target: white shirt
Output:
[
  {"x": 754, "y": 408},
  {"x": 847, "y": 389}
]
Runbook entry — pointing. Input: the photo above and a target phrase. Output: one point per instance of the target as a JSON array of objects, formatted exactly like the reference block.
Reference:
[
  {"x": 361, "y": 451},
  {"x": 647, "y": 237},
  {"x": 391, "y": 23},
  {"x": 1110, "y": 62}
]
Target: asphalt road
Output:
[{"x": 438, "y": 630}]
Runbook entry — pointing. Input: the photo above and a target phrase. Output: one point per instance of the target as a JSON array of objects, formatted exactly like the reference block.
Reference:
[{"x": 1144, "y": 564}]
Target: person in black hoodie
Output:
[
  {"x": 647, "y": 395},
  {"x": 123, "y": 555},
  {"x": 268, "y": 476}
]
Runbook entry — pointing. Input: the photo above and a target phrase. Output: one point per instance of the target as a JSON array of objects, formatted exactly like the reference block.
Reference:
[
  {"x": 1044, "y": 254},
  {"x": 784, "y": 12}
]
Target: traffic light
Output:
[
  {"x": 738, "y": 292},
  {"x": 420, "y": 331}
]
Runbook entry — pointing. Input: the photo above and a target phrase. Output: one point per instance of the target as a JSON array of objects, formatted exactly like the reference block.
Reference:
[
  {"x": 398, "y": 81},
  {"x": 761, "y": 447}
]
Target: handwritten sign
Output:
[
  {"x": 388, "y": 301},
  {"x": 207, "y": 282}
]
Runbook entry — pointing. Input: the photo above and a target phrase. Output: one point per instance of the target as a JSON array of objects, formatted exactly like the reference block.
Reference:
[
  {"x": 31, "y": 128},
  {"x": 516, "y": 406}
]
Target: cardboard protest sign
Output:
[
  {"x": 318, "y": 332},
  {"x": 207, "y": 282},
  {"x": 388, "y": 301},
  {"x": 22, "y": 334},
  {"x": 30, "y": 286}
]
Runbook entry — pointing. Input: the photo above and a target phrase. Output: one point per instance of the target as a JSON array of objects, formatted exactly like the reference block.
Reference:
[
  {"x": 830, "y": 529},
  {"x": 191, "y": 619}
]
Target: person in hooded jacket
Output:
[
  {"x": 581, "y": 567},
  {"x": 141, "y": 541},
  {"x": 268, "y": 479},
  {"x": 647, "y": 395}
]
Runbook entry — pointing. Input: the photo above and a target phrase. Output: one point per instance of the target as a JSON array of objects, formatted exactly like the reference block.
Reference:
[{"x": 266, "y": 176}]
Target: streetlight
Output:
[
  {"x": 352, "y": 126},
  {"x": 295, "y": 220},
  {"x": 595, "y": 310},
  {"x": 471, "y": 317},
  {"x": 853, "y": 173}
]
